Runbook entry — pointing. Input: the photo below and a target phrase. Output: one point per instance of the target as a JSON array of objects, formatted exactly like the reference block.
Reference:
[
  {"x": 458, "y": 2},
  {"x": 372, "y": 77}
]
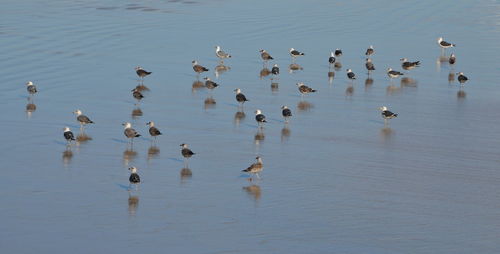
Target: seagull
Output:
[
  {"x": 265, "y": 56},
  {"x": 198, "y": 68},
  {"x": 295, "y": 53},
  {"x": 134, "y": 177},
  {"x": 240, "y": 97},
  {"x": 462, "y": 78},
  {"x": 130, "y": 132},
  {"x": 452, "y": 59},
  {"x": 68, "y": 135},
  {"x": 141, "y": 72},
  {"x": 210, "y": 84},
  {"x": 351, "y": 74},
  {"x": 370, "y": 51},
  {"x": 286, "y": 112},
  {"x": 444, "y": 44},
  {"x": 221, "y": 54},
  {"x": 338, "y": 52},
  {"x": 386, "y": 114},
  {"x": 275, "y": 70},
  {"x": 186, "y": 152},
  {"x": 393, "y": 74},
  {"x": 82, "y": 119},
  {"x": 153, "y": 131},
  {"x": 331, "y": 59},
  {"x": 136, "y": 94},
  {"x": 260, "y": 118},
  {"x": 31, "y": 88},
  {"x": 369, "y": 65},
  {"x": 407, "y": 65},
  {"x": 255, "y": 168},
  {"x": 303, "y": 89}
]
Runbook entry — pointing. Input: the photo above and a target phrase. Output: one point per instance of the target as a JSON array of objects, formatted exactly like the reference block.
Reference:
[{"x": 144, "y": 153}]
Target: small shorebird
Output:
[
  {"x": 141, "y": 72},
  {"x": 393, "y": 74},
  {"x": 82, "y": 119},
  {"x": 198, "y": 68},
  {"x": 462, "y": 78},
  {"x": 386, "y": 114},
  {"x": 68, "y": 135},
  {"x": 153, "y": 131},
  {"x": 31, "y": 88},
  {"x": 130, "y": 132},
  {"x": 265, "y": 55},
  {"x": 240, "y": 98},
  {"x": 286, "y": 113},
  {"x": 221, "y": 54},
  {"x": 255, "y": 168},
  {"x": 134, "y": 177},
  {"x": 444, "y": 44},
  {"x": 351, "y": 75},
  {"x": 407, "y": 65},
  {"x": 260, "y": 118},
  {"x": 303, "y": 89},
  {"x": 186, "y": 152},
  {"x": 295, "y": 53}
]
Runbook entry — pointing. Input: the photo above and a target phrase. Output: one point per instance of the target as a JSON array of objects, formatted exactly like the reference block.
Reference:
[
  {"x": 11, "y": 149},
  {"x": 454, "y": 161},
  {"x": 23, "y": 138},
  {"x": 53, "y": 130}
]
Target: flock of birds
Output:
[{"x": 260, "y": 118}]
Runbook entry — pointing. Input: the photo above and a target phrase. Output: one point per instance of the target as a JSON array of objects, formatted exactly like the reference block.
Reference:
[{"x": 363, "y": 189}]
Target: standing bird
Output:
[
  {"x": 444, "y": 44},
  {"x": 255, "y": 168},
  {"x": 370, "y": 51},
  {"x": 137, "y": 94},
  {"x": 369, "y": 65},
  {"x": 351, "y": 74},
  {"x": 265, "y": 56},
  {"x": 260, "y": 118},
  {"x": 286, "y": 112},
  {"x": 153, "y": 131},
  {"x": 331, "y": 59},
  {"x": 393, "y": 74},
  {"x": 141, "y": 72},
  {"x": 295, "y": 53},
  {"x": 241, "y": 98},
  {"x": 386, "y": 114},
  {"x": 275, "y": 70},
  {"x": 31, "y": 88},
  {"x": 407, "y": 65},
  {"x": 68, "y": 135},
  {"x": 186, "y": 152},
  {"x": 303, "y": 89},
  {"x": 452, "y": 59},
  {"x": 210, "y": 84},
  {"x": 221, "y": 54},
  {"x": 338, "y": 52},
  {"x": 130, "y": 132},
  {"x": 134, "y": 177},
  {"x": 198, "y": 68},
  {"x": 82, "y": 119},
  {"x": 462, "y": 78}
]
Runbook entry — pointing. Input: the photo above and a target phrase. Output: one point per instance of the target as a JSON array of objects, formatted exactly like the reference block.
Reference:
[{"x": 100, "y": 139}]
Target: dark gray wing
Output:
[
  {"x": 83, "y": 119},
  {"x": 134, "y": 178},
  {"x": 154, "y": 131},
  {"x": 260, "y": 118}
]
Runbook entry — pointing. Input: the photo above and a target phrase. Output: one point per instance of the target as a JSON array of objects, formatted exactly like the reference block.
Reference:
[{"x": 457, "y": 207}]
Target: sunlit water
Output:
[{"x": 335, "y": 180}]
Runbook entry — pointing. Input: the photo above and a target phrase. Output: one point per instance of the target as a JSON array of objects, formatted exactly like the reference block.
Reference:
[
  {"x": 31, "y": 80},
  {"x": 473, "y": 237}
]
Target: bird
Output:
[
  {"x": 369, "y": 65},
  {"x": 351, "y": 74},
  {"x": 338, "y": 52},
  {"x": 186, "y": 152},
  {"x": 444, "y": 44},
  {"x": 295, "y": 53},
  {"x": 255, "y": 168},
  {"x": 393, "y": 74},
  {"x": 265, "y": 55},
  {"x": 275, "y": 70},
  {"x": 153, "y": 131},
  {"x": 130, "y": 132},
  {"x": 31, "y": 88},
  {"x": 137, "y": 94},
  {"x": 370, "y": 51},
  {"x": 141, "y": 72},
  {"x": 386, "y": 114},
  {"x": 462, "y": 78},
  {"x": 210, "y": 84},
  {"x": 221, "y": 54},
  {"x": 241, "y": 98},
  {"x": 260, "y": 118},
  {"x": 407, "y": 65},
  {"x": 452, "y": 59},
  {"x": 134, "y": 177},
  {"x": 331, "y": 59},
  {"x": 68, "y": 135},
  {"x": 303, "y": 89},
  {"x": 286, "y": 112},
  {"x": 198, "y": 68},
  {"x": 82, "y": 119}
]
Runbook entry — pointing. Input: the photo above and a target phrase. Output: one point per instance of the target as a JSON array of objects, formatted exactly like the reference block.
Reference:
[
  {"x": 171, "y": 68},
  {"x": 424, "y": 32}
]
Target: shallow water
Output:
[{"x": 335, "y": 180}]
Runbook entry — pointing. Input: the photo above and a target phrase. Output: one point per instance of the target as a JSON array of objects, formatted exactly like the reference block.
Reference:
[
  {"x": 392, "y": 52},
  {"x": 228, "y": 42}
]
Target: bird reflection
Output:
[
  {"x": 136, "y": 112},
  {"x": 30, "y": 108},
  {"x": 408, "y": 82},
  {"x": 274, "y": 87},
  {"x": 141, "y": 88},
  {"x": 82, "y": 138},
  {"x": 392, "y": 90},
  {"x": 197, "y": 85},
  {"x": 67, "y": 155},
  {"x": 133, "y": 204},
  {"x": 238, "y": 117},
  {"x": 349, "y": 91},
  {"x": 304, "y": 106},
  {"x": 153, "y": 152},
  {"x": 451, "y": 77},
  {"x": 285, "y": 133},
  {"x": 368, "y": 82},
  {"x": 259, "y": 137},
  {"x": 128, "y": 155},
  {"x": 440, "y": 60},
  {"x": 254, "y": 191},
  {"x": 264, "y": 72},
  {"x": 221, "y": 68},
  {"x": 186, "y": 173},
  {"x": 386, "y": 133},
  {"x": 294, "y": 67},
  {"x": 337, "y": 66},
  {"x": 331, "y": 75},
  {"x": 209, "y": 103},
  {"x": 461, "y": 94}
]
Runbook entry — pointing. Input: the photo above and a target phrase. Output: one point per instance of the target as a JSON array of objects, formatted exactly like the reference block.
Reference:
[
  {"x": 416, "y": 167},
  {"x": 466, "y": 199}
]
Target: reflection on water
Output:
[
  {"x": 259, "y": 137},
  {"x": 129, "y": 155},
  {"x": 285, "y": 133},
  {"x": 67, "y": 155},
  {"x": 331, "y": 75},
  {"x": 304, "y": 106},
  {"x": 141, "y": 87},
  {"x": 274, "y": 87},
  {"x": 30, "y": 108},
  {"x": 153, "y": 152},
  {"x": 186, "y": 173},
  {"x": 337, "y": 66},
  {"x": 386, "y": 133},
  {"x": 82, "y": 138},
  {"x": 440, "y": 61},
  {"x": 451, "y": 77},
  {"x": 408, "y": 82},
  {"x": 349, "y": 91},
  {"x": 368, "y": 82},
  {"x": 221, "y": 68},
  {"x": 461, "y": 94},
  {"x": 254, "y": 191},
  {"x": 239, "y": 116},
  {"x": 209, "y": 103},
  {"x": 292, "y": 68},
  {"x": 392, "y": 90},
  {"x": 264, "y": 72},
  {"x": 133, "y": 204},
  {"x": 136, "y": 113},
  {"x": 197, "y": 85}
]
